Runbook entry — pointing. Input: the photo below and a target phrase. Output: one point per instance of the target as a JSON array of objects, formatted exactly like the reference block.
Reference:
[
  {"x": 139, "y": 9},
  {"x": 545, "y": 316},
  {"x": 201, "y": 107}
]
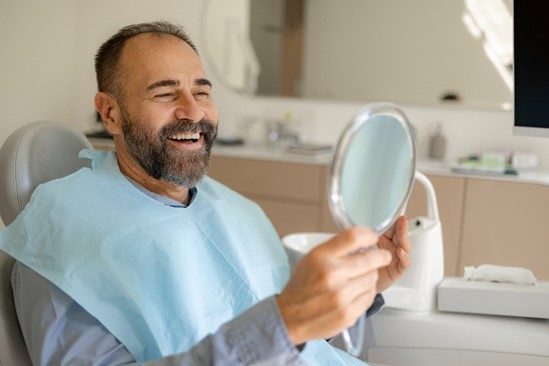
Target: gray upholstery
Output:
[
  {"x": 12, "y": 347},
  {"x": 33, "y": 154}
]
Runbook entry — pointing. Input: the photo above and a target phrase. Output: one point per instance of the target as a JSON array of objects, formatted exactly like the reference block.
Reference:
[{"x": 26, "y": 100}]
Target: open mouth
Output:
[{"x": 186, "y": 138}]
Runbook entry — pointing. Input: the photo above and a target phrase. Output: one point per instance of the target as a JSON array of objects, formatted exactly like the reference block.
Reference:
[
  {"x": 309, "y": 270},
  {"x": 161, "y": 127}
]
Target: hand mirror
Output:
[{"x": 371, "y": 177}]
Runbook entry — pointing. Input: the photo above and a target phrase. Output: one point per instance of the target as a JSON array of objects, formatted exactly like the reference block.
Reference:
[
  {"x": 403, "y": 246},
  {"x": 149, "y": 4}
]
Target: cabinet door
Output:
[
  {"x": 449, "y": 192},
  {"x": 294, "y": 181},
  {"x": 289, "y": 217},
  {"x": 289, "y": 193},
  {"x": 507, "y": 223}
]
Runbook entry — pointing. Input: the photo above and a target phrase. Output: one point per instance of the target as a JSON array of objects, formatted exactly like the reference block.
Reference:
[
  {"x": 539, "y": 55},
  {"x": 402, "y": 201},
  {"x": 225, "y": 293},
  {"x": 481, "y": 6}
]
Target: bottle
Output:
[{"x": 437, "y": 146}]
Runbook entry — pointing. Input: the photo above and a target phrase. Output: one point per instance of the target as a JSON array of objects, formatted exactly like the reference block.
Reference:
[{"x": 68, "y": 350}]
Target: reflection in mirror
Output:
[
  {"x": 376, "y": 172},
  {"x": 228, "y": 46},
  {"x": 371, "y": 178},
  {"x": 373, "y": 169},
  {"x": 405, "y": 51}
]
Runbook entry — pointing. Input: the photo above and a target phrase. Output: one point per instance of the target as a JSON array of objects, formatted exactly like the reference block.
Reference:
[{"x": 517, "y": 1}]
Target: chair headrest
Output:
[{"x": 34, "y": 154}]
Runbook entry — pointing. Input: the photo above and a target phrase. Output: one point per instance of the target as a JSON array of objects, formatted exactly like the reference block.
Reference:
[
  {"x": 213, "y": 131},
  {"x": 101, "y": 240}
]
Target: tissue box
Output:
[{"x": 455, "y": 294}]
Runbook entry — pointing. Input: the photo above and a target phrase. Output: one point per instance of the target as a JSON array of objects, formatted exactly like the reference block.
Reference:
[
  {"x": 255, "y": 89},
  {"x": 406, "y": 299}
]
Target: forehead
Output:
[{"x": 149, "y": 57}]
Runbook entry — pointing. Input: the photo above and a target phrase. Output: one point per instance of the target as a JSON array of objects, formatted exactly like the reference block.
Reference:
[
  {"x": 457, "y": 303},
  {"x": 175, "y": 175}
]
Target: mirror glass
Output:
[
  {"x": 373, "y": 168},
  {"x": 420, "y": 52}
]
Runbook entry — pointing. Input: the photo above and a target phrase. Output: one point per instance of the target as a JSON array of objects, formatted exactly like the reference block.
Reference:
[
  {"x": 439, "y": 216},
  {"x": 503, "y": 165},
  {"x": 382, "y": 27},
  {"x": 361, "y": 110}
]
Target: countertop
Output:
[{"x": 431, "y": 167}]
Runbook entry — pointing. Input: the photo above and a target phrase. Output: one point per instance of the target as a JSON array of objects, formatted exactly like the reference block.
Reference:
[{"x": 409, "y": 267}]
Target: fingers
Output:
[
  {"x": 404, "y": 260},
  {"x": 401, "y": 237},
  {"x": 343, "y": 270},
  {"x": 402, "y": 242},
  {"x": 397, "y": 235},
  {"x": 397, "y": 242},
  {"x": 353, "y": 300},
  {"x": 329, "y": 288},
  {"x": 332, "y": 299},
  {"x": 401, "y": 224},
  {"x": 358, "y": 264},
  {"x": 349, "y": 241},
  {"x": 342, "y": 258}
]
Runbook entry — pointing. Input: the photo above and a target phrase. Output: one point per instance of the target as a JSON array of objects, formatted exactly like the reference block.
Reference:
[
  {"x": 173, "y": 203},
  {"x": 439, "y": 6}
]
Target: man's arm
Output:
[{"x": 58, "y": 331}]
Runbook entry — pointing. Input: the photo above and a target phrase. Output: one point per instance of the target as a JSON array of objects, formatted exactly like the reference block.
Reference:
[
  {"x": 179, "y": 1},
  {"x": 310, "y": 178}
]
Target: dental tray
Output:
[{"x": 492, "y": 298}]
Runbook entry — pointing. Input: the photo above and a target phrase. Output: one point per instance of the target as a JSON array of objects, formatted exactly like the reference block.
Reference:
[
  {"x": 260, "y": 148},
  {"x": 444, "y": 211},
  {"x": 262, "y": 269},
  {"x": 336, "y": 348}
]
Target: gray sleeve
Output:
[
  {"x": 376, "y": 306},
  {"x": 58, "y": 331}
]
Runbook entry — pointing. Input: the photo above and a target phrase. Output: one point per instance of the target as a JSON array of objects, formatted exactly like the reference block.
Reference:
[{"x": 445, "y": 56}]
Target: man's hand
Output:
[
  {"x": 395, "y": 240},
  {"x": 329, "y": 289}
]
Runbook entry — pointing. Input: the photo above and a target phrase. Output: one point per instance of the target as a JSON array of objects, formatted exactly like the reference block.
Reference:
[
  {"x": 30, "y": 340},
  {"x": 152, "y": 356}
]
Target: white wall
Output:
[
  {"x": 468, "y": 131},
  {"x": 47, "y": 73},
  {"x": 48, "y": 49},
  {"x": 38, "y": 44},
  {"x": 409, "y": 51}
]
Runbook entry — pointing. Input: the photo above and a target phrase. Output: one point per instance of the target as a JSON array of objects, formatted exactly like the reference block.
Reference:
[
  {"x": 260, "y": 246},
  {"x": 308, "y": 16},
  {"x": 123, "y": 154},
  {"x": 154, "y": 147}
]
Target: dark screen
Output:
[{"x": 531, "y": 63}]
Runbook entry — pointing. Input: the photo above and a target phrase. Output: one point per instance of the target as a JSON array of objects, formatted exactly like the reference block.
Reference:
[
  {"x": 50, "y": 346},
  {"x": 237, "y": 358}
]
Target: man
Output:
[{"x": 134, "y": 260}]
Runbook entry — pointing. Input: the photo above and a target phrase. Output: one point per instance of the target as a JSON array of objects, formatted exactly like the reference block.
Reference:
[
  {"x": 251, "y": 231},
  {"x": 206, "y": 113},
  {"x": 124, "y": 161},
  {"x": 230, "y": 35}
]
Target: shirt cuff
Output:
[
  {"x": 260, "y": 335},
  {"x": 376, "y": 306}
]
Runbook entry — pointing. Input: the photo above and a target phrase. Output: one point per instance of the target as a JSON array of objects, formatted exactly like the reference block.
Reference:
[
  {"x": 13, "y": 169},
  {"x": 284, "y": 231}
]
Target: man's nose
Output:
[{"x": 188, "y": 108}]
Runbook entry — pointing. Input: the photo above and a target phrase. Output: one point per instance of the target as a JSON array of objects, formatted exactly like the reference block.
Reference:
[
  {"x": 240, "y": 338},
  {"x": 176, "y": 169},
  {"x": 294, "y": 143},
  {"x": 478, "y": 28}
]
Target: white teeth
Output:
[{"x": 186, "y": 136}]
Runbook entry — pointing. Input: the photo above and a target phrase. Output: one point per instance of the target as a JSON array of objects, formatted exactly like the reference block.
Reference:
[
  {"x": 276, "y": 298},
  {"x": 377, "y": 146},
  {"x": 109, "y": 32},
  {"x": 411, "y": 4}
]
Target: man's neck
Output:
[{"x": 132, "y": 170}]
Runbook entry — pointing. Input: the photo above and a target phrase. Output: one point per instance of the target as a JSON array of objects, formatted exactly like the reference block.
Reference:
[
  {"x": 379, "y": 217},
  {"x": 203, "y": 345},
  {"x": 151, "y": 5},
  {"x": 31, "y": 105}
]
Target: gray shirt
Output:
[{"x": 58, "y": 331}]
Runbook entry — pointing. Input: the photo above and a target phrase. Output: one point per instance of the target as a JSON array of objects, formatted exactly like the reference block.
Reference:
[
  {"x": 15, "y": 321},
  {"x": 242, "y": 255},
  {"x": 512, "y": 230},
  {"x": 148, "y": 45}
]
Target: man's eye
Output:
[
  {"x": 202, "y": 94},
  {"x": 164, "y": 95}
]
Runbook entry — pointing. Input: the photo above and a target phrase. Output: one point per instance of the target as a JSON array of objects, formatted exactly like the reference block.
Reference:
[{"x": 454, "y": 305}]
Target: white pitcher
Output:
[{"x": 416, "y": 289}]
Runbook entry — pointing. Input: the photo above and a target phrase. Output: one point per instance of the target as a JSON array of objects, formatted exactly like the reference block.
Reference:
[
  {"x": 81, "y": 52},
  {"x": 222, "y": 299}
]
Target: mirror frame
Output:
[{"x": 335, "y": 196}]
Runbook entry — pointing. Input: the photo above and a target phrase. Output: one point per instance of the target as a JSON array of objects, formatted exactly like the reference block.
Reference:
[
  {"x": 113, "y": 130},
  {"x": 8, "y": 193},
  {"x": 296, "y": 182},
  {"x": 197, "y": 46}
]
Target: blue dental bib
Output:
[{"x": 159, "y": 278}]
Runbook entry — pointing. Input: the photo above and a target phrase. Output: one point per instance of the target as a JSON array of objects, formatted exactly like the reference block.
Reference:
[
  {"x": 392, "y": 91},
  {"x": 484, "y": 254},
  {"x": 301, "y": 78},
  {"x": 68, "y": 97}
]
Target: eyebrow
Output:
[
  {"x": 170, "y": 82},
  {"x": 203, "y": 82},
  {"x": 162, "y": 83}
]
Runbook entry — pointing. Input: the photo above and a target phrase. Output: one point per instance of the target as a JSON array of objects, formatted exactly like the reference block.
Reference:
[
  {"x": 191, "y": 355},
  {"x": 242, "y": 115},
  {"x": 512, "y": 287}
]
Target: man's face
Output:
[
  {"x": 168, "y": 118},
  {"x": 160, "y": 159}
]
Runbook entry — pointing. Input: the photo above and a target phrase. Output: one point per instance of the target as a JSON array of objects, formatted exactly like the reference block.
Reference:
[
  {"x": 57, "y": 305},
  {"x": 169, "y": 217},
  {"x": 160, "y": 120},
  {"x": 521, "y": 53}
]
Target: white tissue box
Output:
[{"x": 455, "y": 294}]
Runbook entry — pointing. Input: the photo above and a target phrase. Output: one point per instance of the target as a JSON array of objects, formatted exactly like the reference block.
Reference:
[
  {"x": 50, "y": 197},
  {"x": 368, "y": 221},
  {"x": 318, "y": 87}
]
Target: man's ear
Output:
[{"x": 109, "y": 109}]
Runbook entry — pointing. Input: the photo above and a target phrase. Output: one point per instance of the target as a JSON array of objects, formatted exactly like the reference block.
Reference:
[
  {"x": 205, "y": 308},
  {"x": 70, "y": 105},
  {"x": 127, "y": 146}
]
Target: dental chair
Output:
[{"x": 33, "y": 154}]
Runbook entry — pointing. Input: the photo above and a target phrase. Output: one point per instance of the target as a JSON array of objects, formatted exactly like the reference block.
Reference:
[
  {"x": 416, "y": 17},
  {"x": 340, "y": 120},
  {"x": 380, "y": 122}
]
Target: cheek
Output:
[
  {"x": 155, "y": 118},
  {"x": 212, "y": 115}
]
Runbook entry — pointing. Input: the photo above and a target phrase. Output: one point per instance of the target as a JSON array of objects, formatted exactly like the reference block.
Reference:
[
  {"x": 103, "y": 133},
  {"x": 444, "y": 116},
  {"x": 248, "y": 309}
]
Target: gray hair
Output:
[{"x": 108, "y": 56}]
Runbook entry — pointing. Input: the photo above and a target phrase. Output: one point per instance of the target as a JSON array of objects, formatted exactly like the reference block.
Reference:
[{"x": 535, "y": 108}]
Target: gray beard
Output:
[{"x": 164, "y": 162}]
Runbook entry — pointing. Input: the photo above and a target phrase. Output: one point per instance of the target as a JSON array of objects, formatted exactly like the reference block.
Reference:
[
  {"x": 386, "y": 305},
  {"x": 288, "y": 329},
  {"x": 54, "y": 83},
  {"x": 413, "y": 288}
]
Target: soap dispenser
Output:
[{"x": 437, "y": 146}]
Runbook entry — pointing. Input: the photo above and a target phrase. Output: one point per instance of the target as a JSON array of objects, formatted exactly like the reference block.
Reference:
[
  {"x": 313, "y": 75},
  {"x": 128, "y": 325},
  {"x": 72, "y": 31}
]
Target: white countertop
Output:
[
  {"x": 445, "y": 169},
  {"x": 264, "y": 152},
  {"x": 430, "y": 167}
]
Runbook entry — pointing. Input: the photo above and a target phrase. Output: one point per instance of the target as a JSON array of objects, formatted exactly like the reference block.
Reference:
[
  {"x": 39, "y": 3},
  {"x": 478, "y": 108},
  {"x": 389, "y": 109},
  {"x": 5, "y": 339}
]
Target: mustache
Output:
[{"x": 204, "y": 126}]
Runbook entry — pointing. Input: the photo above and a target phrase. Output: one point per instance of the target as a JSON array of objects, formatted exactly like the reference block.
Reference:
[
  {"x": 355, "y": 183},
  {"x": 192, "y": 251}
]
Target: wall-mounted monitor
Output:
[{"x": 531, "y": 67}]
